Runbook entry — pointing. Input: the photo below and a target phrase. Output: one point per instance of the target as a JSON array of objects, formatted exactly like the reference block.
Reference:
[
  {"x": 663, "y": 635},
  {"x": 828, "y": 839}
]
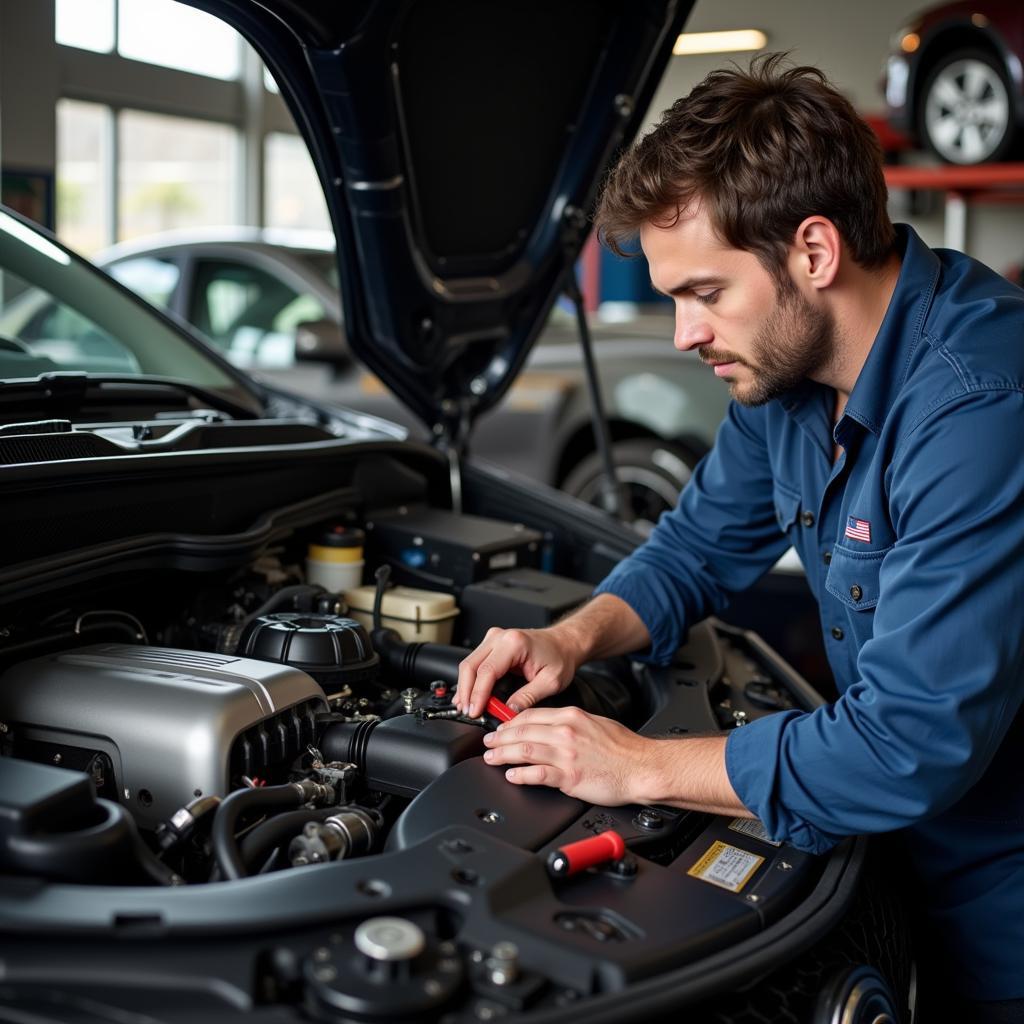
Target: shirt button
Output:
[
  {"x": 827, "y": 557},
  {"x": 856, "y": 593},
  {"x": 807, "y": 518},
  {"x": 837, "y": 633}
]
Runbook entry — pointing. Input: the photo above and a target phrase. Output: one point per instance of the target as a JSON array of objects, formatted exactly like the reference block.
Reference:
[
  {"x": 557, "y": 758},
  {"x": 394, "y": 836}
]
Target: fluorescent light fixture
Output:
[{"x": 720, "y": 42}]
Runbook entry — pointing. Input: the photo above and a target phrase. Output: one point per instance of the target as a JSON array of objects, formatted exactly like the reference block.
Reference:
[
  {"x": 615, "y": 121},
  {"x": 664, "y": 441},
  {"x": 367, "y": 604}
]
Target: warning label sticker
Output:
[
  {"x": 726, "y": 866},
  {"x": 754, "y": 828}
]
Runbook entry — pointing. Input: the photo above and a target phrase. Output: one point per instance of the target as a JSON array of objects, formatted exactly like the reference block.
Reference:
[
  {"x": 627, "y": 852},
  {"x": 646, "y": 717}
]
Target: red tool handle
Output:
[
  {"x": 500, "y": 710},
  {"x": 585, "y": 853}
]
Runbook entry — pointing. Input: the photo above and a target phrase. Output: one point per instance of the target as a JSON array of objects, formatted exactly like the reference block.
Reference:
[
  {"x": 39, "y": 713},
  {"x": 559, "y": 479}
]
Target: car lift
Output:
[{"x": 992, "y": 183}]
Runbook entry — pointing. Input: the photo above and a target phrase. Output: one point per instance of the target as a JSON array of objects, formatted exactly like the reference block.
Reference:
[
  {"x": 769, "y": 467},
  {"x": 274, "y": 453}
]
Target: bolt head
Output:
[
  {"x": 505, "y": 951},
  {"x": 649, "y": 819}
]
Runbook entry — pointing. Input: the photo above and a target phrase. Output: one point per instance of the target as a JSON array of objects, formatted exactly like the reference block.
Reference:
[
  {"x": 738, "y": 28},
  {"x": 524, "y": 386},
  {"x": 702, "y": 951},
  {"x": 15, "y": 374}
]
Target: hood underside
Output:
[{"x": 461, "y": 146}]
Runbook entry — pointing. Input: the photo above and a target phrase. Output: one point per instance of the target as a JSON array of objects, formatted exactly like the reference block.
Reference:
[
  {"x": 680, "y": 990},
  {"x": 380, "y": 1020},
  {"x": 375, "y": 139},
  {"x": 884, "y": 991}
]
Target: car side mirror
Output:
[{"x": 321, "y": 341}]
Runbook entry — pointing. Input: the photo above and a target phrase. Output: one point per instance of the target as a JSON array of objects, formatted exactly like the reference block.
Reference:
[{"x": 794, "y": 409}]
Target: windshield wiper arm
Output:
[{"x": 71, "y": 389}]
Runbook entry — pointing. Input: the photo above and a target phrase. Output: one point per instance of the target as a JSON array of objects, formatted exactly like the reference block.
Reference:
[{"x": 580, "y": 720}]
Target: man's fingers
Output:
[
  {"x": 527, "y": 752},
  {"x": 545, "y": 684},
  {"x": 467, "y": 674},
  {"x": 489, "y": 672},
  {"x": 546, "y": 716},
  {"x": 535, "y": 775},
  {"x": 525, "y": 697},
  {"x": 477, "y": 677}
]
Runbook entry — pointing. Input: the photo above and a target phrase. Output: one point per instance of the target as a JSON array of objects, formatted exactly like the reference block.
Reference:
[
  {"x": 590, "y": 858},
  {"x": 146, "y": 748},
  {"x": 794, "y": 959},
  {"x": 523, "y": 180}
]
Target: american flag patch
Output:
[{"x": 858, "y": 529}]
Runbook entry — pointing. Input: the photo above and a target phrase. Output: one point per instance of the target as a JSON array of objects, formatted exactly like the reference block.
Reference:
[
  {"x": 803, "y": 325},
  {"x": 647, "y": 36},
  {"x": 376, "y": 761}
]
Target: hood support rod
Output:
[{"x": 613, "y": 497}]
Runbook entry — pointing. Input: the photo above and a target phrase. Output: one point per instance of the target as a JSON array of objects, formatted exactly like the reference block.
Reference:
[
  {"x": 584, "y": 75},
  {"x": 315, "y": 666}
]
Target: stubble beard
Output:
[{"x": 794, "y": 343}]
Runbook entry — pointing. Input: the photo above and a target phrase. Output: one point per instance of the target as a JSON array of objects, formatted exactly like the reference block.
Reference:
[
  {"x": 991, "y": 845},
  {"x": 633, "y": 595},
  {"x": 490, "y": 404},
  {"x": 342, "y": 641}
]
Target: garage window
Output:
[
  {"x": 84, "y": 133},
  {"x": 175, "y": 173}
]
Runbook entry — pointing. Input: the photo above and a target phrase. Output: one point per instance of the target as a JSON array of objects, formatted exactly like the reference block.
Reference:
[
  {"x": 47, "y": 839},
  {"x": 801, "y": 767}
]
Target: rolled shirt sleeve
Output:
[
  {"x": 940, "y": 678},
  {"x": 719, "y": 539}
]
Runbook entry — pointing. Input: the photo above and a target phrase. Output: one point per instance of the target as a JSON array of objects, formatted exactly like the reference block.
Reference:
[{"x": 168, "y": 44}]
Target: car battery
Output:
[
  {"x": 519, "y": 599},
  {"x": 440, "y": 549}
]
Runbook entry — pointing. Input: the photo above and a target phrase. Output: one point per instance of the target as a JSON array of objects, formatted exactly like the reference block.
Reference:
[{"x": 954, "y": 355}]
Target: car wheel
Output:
[
  {"x": 856, "y": 995},
  {"x": 652, "y": 471},
  {"x": 965, "y": 113}
]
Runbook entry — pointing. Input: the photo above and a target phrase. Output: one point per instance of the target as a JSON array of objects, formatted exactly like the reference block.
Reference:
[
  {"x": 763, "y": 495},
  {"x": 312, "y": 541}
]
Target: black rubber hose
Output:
[
  {"x": 106, "y": 851},
  {"x": 72, "y": 638},
  {"x": 256, "y": 846},
  {"x": 245, "y": 801},
  {"x": 417, "y": 663},
  {"x": 283, "y": 596}
]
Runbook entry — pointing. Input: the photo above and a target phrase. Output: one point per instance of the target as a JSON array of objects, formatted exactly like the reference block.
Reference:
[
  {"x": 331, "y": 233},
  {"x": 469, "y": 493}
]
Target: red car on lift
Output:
[{"x": 954, "y": 81}]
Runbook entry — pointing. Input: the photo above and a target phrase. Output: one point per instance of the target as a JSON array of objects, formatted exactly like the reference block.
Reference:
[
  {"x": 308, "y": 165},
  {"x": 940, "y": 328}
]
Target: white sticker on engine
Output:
[
  {"x": 754, "y": 828},
  {"x": 726, "y": 866},
  {"x": 503, "y": 560}
]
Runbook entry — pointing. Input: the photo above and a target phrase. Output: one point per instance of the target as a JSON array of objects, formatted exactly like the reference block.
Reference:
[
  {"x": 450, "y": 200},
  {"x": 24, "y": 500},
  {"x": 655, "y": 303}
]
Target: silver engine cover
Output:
[{"x": 167, "y": 718}]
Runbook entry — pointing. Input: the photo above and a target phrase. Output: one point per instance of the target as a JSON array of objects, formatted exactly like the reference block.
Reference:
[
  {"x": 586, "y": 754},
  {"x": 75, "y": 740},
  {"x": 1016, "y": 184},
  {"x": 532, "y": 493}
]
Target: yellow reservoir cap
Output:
[{"x": 319, "y": 553}]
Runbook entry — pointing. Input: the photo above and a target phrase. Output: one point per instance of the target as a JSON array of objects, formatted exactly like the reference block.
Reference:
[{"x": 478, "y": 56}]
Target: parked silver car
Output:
[{"x": 269, "y": 301}]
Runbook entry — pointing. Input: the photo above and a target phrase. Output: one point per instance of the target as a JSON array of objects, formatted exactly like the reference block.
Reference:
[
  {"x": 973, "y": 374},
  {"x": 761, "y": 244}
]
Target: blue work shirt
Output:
[{"x": 913, "y": 543}]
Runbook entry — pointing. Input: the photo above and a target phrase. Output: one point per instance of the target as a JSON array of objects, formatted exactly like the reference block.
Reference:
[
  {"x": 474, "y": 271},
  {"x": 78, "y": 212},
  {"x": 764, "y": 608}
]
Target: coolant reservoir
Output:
[
  {"x": 335, "y": 560},
  {"x": 417, "y": 616}
]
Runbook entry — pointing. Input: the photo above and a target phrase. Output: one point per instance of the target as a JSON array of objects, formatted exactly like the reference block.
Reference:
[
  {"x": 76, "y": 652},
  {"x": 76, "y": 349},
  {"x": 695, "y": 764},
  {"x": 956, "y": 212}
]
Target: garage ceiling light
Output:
[{"x": 720, "y": 42}]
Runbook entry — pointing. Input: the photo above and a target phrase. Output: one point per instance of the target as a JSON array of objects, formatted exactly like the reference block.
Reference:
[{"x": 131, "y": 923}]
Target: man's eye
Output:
[{"x": 708, "y": 298}]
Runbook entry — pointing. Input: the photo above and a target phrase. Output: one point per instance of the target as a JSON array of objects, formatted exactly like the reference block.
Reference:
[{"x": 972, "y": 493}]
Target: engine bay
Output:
[{"x": 250, "y": 751}]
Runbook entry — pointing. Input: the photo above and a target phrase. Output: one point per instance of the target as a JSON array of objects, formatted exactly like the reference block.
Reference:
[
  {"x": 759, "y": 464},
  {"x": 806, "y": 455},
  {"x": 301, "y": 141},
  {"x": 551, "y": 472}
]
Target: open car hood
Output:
[{"x": 460, "y": 145}]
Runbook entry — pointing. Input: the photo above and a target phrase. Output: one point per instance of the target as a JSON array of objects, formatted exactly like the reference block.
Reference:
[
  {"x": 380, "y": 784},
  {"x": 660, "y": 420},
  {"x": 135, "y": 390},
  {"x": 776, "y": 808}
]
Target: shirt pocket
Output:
[
  {"x": 853, "y": 577},
  {"x": 787, "y": 505}
]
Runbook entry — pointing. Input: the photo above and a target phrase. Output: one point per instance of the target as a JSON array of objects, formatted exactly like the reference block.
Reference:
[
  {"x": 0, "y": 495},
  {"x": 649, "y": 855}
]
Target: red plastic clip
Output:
[
  {"x": 500, "y": 710},
  {"x": 585, "y": 853}
]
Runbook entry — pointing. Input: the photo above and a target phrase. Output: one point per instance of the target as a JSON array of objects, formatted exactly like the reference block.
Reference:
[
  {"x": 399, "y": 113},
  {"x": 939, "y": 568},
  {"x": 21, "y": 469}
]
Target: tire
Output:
[
  {"x": 856, "y": 995},
  {"x": 965, "y": 112},
  {"x": 652, "y": 471}
]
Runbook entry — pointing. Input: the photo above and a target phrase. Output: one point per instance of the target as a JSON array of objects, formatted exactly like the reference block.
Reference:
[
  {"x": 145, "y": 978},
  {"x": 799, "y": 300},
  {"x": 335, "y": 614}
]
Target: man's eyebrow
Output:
[{"x": 688, "y": 285}]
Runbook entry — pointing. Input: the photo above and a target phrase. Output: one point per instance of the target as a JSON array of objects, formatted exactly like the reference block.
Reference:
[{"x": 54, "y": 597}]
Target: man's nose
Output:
[{"x": 691, "y": 330}]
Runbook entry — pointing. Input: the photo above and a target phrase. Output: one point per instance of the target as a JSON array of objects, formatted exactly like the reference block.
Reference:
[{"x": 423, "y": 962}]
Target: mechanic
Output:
[{"x": 878, "y": 401}]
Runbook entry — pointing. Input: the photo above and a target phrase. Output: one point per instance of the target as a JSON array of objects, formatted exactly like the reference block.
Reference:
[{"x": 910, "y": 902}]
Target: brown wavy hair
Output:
[{"x": 763, "y": 149}]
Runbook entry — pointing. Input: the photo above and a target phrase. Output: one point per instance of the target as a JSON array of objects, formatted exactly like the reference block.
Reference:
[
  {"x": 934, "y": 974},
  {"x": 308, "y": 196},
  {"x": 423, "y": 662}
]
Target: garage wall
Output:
[
  {"x": 849, "y": 41},
  {"x": 28, "y": 60}
]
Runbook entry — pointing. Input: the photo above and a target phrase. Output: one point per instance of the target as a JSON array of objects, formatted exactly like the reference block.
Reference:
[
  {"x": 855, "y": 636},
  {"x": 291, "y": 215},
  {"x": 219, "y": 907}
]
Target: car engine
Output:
[{"x": 262, "y": 728}]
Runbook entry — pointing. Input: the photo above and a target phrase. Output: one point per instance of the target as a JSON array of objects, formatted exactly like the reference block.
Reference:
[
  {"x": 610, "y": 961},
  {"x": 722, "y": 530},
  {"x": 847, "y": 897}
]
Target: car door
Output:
[{"x": 247, "y": 311}]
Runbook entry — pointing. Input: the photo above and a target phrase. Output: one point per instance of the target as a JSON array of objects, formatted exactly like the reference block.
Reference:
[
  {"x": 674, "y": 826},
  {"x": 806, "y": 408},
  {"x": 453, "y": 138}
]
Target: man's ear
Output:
[{"x": 815, "y": 253}]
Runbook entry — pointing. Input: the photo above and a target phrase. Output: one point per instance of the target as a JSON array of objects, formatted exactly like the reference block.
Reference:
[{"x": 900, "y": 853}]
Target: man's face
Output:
[{"x": 760, "y": 337}]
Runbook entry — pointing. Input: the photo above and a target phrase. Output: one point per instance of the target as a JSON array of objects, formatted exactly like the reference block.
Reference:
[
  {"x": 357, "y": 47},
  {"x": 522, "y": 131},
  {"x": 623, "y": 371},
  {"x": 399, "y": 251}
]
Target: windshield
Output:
[{"x": 58, "y": 314}]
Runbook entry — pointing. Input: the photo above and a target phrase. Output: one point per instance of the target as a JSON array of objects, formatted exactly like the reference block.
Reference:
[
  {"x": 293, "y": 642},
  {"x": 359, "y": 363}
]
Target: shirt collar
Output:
[{"x": 885, "y": 368}]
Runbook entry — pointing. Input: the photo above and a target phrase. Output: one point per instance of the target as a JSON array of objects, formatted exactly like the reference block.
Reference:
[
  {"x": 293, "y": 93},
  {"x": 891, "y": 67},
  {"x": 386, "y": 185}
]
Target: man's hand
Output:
[
  {"x": 548, "y": 658},
  {"x": 536, "y": 654},
  {"x": 601, "y": 762},
  {"x": 585, "y": 756}
]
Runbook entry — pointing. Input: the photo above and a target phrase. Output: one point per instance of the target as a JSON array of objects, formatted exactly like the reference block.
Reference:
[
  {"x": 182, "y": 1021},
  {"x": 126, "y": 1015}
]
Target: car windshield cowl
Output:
[{"x": 75, "y": 390}]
